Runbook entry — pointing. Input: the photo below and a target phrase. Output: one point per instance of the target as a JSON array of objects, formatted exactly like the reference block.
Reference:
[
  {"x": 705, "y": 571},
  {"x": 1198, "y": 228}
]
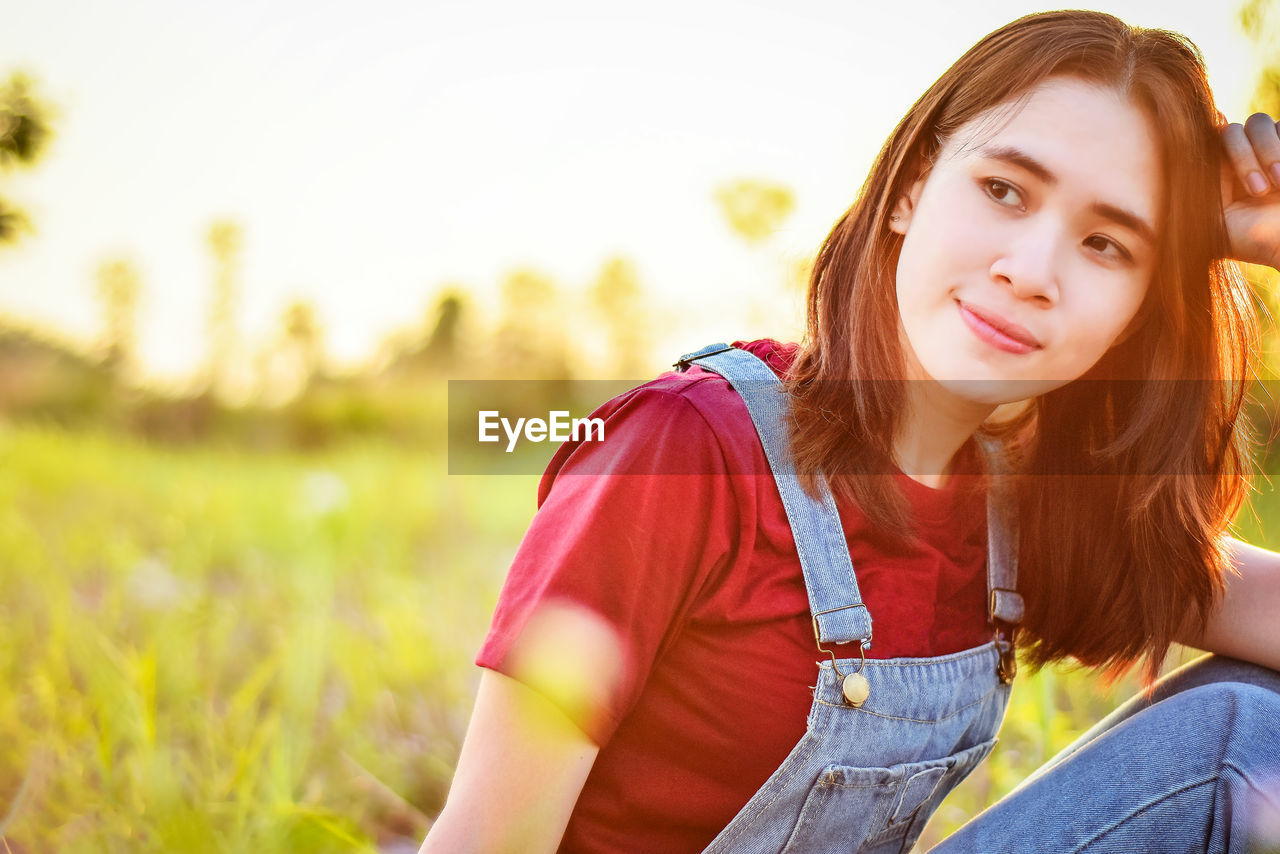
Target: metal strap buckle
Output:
[
  {"x": 1007, "y": 666},
  {"x": 863, "y": 643}
]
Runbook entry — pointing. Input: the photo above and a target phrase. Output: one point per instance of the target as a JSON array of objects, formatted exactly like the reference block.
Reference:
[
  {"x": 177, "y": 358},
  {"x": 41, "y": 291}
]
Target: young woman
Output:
[{"x": 1049, "y": 226}]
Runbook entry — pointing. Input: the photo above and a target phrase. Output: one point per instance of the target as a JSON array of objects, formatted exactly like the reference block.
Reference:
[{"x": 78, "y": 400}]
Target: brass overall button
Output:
[{"x": 856, "y": 689}]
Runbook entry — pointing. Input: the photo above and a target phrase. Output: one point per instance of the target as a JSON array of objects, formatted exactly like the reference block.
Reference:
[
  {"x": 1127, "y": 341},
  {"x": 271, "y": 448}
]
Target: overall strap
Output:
[
  {"x": 839, "y": 616},
  {"x": 1004, "y": 603}
]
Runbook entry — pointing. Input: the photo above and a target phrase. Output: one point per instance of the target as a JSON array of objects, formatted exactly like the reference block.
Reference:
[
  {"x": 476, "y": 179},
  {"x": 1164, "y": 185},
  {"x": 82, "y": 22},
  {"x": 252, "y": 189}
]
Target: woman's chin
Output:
[{"x": 995, "y": 391}]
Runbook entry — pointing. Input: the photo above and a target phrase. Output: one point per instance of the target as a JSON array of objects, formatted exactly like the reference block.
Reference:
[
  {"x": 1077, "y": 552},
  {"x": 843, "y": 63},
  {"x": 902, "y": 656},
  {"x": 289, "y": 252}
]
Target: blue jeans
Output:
[{"x": 1194, "y": 769}]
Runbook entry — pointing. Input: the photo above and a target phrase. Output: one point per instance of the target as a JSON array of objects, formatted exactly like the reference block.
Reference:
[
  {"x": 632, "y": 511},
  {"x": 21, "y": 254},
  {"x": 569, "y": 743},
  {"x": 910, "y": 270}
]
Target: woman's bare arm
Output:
[
  {"x": 1246, "y": 624},
  {"x": 522, "y": 767}
]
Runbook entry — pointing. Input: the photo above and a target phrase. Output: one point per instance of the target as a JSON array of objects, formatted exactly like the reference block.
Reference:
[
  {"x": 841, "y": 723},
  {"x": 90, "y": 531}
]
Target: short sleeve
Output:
[{"x": 628, "y": 530}]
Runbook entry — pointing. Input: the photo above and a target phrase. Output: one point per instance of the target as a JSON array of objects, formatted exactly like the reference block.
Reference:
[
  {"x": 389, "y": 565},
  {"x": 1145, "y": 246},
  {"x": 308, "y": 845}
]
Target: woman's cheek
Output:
[{"x": 1111, "y": 315}]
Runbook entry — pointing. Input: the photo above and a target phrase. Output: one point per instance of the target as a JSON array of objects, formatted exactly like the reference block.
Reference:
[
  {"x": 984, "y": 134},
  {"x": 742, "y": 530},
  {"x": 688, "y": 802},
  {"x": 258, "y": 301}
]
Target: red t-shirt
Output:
[{"x": 688, "y": 554}]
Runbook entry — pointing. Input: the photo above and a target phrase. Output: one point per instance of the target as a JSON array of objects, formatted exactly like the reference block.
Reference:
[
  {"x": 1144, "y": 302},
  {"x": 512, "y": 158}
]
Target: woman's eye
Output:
[
  {"x": 1003, "y": 192},
  {"x": 1101, "y": 244}
]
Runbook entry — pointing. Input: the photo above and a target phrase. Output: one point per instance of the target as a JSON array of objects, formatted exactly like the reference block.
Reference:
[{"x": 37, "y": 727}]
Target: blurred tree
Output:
[
  {"x": 289, "y": 364},
  {"x": 24, "y": 135},
  {"x": 1260, "y": 20},
  {"x": 442, "y": 346},
  {"x": 799, "y": 271},
  {"x": 530, "y": 341},
  {"x": 617, "y": 300},
  {"x": 303, "y": 335},
  {"x": 119, "y": 286},
  {"x": 224, "y": 239},
  {"x": 754, "y": 209}
]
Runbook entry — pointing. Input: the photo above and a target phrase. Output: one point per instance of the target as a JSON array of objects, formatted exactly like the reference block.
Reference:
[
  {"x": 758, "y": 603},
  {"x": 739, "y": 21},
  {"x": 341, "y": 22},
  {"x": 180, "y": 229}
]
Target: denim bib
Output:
[{"x": 887, "y": 739}]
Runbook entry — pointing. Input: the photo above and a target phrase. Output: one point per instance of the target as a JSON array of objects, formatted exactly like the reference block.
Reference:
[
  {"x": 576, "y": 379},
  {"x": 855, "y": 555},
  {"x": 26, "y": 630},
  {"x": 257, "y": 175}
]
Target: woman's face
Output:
[{"x": 1029, "y": 246}]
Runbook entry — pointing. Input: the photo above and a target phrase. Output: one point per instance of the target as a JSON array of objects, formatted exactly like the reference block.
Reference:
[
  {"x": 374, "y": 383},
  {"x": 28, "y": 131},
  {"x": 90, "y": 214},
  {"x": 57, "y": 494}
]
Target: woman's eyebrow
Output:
[{"x": 1017, "y": 157}]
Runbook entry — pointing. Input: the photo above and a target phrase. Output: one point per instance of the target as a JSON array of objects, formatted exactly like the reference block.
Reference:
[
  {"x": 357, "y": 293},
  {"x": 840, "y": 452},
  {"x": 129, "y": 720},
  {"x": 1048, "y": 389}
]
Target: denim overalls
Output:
[{"x": 867, "y": 773}]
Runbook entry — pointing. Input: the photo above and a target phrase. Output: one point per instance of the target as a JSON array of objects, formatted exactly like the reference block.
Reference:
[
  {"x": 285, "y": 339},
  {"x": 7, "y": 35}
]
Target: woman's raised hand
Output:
[{"x": 1251, "y": 189}]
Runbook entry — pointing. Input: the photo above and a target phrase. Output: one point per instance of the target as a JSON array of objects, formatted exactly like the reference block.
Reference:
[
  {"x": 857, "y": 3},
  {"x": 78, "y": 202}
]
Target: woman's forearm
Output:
[{"x": 522, "y": 767}]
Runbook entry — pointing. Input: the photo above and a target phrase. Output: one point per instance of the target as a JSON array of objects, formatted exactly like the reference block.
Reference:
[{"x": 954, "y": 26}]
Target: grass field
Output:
[{"x": 208, "y": 650}]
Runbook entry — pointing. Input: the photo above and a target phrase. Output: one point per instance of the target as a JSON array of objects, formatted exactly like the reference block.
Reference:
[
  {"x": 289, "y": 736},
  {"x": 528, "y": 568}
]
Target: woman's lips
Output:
[{"x": 996, "y": 331}]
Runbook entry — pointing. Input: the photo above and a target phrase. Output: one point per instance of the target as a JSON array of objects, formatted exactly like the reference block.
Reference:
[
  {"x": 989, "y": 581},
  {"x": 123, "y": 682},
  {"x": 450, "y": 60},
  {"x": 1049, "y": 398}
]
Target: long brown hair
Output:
[{"x": 1127, "y": 478}]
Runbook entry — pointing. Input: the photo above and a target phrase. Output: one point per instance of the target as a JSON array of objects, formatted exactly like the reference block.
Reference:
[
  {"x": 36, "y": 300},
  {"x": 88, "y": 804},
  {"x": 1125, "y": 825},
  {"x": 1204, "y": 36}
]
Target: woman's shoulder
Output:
[
  {"x": 680, "y": 422},
  {"x": 706, "y": 390},
  {"x": 709, "y": 394}
]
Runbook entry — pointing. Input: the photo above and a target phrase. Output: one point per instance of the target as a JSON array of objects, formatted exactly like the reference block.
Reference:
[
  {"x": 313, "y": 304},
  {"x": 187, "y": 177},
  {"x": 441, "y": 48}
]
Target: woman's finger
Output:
[
  {"x": 1243, "y": 160},
  {"x": 1261, "y": 130},
  {"x": 1227, "y": 182}
]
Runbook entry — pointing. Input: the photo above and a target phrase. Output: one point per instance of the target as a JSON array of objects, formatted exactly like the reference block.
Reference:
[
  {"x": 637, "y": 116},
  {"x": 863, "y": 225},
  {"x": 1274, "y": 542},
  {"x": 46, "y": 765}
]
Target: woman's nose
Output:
[{"x": 1029, "y": 267}]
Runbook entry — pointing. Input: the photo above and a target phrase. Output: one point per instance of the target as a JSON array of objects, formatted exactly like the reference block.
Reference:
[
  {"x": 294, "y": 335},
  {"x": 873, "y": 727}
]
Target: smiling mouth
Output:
[{"x": 996, "y": 331}]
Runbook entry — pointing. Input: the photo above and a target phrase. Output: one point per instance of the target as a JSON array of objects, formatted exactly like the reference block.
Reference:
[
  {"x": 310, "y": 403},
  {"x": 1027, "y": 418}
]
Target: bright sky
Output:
[{"x": 374, "y": 153}]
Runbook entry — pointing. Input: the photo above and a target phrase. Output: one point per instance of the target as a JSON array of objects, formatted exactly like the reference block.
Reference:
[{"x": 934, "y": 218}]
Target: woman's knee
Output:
[{"x": 1234, "y": 724}]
